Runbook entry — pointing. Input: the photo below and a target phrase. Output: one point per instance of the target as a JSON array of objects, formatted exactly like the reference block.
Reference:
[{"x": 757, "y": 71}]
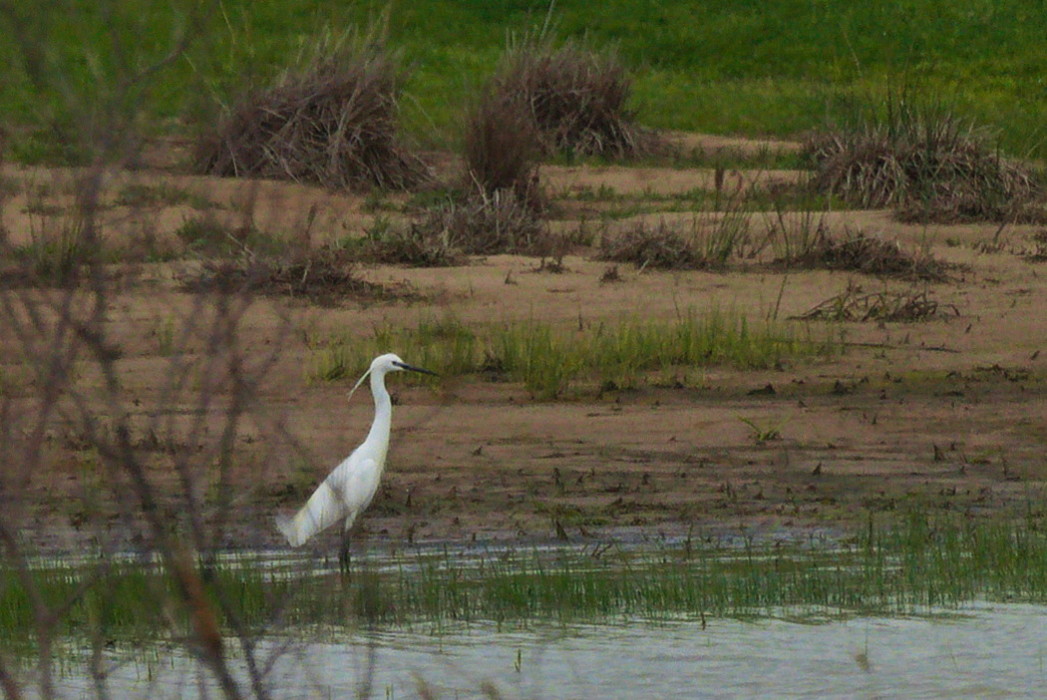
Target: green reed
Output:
[
  {"x": 549, "y": 360},
  {"x": 914, "y": 566}
]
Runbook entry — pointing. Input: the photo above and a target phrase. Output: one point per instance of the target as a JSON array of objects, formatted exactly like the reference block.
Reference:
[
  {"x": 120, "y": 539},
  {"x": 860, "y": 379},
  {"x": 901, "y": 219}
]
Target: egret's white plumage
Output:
[{"x": 348, "y": 490}]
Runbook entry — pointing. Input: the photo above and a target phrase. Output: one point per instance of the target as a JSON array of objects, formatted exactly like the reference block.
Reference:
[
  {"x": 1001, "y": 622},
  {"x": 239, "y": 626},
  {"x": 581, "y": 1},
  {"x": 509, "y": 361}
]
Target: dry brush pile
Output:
[
  {"x": 576, "y": 99},
  {"x": 927, "y": 165},
  {"x": 869, "y": 255},
  {"x": 332, "y": 122}
]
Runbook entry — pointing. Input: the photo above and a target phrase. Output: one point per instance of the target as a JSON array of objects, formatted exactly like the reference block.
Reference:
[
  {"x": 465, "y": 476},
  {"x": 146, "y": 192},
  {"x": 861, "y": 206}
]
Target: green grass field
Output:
[{"x": 777, "y": 67}]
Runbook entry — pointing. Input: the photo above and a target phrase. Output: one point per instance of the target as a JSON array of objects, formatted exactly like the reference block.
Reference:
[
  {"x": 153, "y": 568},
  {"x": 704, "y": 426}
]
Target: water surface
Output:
[{"x": 986, "y": 651}]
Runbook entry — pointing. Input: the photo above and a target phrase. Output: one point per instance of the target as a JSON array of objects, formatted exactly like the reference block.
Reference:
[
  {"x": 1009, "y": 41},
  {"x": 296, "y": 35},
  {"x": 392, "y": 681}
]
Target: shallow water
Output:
[{"x": 984, "y": 651}]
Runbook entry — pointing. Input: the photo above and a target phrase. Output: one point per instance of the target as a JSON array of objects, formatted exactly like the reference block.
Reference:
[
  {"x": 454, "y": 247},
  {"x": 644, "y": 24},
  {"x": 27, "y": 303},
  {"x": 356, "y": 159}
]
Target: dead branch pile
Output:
[{"x": 854, "y": 304}]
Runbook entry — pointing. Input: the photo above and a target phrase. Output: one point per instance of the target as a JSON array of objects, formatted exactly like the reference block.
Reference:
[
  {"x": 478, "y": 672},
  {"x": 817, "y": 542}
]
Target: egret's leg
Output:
[{"x": 343, "y": 552}]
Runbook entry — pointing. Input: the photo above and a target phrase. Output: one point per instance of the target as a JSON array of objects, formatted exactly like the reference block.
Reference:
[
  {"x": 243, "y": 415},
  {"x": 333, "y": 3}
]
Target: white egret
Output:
[{"x": 348, "y": 490}]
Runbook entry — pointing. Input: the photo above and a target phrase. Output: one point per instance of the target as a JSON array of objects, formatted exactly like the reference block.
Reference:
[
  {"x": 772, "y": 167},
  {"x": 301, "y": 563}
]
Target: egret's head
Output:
[
  {"x": 391, "y": 362},
  {"x": 383, "y": 364}
]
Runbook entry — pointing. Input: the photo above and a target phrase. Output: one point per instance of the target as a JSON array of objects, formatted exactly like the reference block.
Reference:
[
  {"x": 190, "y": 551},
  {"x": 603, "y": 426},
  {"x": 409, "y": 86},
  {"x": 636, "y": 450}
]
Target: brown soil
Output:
[{"x": 942, "y": 415}]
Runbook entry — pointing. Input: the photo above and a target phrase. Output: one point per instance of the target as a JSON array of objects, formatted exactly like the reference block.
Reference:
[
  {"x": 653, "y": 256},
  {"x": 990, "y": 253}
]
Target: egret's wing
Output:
[
  {"x": 323, "y": 509},
  {"x": 360, "y": 485},
  {"x": 342, "y": 495}
]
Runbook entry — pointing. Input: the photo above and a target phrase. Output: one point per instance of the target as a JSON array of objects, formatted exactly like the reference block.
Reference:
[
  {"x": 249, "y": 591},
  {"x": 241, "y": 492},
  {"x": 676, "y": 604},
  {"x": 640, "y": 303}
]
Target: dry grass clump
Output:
[
  {"x": 576, "y": 99},
  {"x": 854, "y": 304},
  {"x": 1039, "y": 247},
  {"x": 58, "y": 259},
  {"x": 868, "y": 255},
  {"x": 482, "y": 223},
  {"x": 711, "y": 240},
  {"x": 661, "y": 246},
  {"x": 928, "y": 165},
  {"x": 332, "y": 122},
  {"x": 475, "y": 223},
  {"x": 415, "y": 244},
  {"x": 500, "y": 147}
]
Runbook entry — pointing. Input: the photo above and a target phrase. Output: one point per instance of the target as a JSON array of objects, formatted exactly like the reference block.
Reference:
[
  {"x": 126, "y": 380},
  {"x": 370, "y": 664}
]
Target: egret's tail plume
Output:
[{"x": 286, "y": 526}]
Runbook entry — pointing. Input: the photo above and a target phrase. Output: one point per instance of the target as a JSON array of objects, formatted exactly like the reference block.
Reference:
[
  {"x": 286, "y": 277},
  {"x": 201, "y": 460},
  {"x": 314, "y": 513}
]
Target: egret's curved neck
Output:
[{"x": 378, "y": 437}]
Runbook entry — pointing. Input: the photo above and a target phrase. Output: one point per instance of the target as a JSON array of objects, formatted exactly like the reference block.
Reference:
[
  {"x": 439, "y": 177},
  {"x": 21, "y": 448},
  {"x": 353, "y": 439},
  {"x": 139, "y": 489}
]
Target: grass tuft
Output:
[{"x": 322, "y": 276}]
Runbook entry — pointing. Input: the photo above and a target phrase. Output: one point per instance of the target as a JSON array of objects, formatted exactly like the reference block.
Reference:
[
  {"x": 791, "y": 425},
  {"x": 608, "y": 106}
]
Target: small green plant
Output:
[
  {"x": 56, "y": 254},
  {"x": 9, "y": 187},
  {"x": 40, "y": 207},
  {"x": 377, "y": 201},
  {"x": 165, "y": 336},
  {"x": 414, "y": 243},
  {"x": 207, "y": 235},
  {"x": 482, "y": 223},
  {"x": 763, "y": 433}
]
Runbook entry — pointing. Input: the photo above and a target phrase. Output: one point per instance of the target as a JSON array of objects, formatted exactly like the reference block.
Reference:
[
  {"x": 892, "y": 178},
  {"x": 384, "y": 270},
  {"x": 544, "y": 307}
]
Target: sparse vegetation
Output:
[
  {"x": 322, "y": 276},
  {"x": 171, "y": 377},
  {"x": 420, "y": 243},
  {"x": 1038, "y": 253},
  {"x": 660, "y": 246},
  {"x": 55, "y": 257},
  {"x": 763, "y": 432},
  {"x": 162, "y": 194}
]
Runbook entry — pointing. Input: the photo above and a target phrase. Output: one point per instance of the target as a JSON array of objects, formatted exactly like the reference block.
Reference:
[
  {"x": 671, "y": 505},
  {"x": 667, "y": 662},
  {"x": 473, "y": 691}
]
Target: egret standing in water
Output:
[{"x": 348, "y": 490}]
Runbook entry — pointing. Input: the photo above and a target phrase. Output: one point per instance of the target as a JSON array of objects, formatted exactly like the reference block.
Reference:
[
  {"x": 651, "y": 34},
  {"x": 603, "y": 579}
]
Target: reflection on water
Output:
[{"x": 980, "y": 651}]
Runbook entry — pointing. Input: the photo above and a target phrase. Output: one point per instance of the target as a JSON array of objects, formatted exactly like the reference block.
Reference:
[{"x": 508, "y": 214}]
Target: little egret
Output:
[{"x": 348, "y": 490}]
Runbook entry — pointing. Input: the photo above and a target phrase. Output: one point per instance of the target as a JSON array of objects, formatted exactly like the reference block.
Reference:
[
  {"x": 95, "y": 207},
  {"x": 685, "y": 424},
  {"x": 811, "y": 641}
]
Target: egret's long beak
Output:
[{"x": 412, "y": 368}]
